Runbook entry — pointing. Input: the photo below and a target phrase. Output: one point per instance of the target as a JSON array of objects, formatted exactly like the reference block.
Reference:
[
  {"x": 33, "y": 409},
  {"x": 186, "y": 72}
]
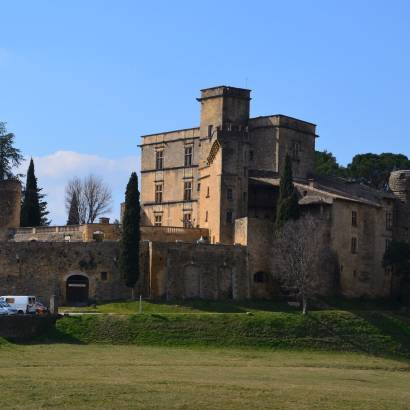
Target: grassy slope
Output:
[
  {"x": 134, "y": 377},
  {"x": 371, "y": 332}
]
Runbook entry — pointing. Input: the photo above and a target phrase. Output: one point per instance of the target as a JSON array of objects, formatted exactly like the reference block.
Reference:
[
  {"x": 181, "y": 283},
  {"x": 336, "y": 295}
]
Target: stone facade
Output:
[
  {"x": 79, "y": 273},
  {"x": 219, "y": 181},
  {"x": 234, "y": 167}
]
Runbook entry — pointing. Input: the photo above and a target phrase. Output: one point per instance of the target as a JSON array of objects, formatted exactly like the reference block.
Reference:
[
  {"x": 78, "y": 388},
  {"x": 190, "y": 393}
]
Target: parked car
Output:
[
  {"x": 6, "y": 309},
  {"x": 23, "y": 304},
  {"x": 40, "y": 309}
]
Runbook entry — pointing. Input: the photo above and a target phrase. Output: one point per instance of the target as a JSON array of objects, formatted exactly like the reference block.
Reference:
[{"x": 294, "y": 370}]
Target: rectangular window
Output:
[
  {"x": 187, "y": 221},
  {"x": 245, "y": 197},
  {"x": 389, "y": 220},
  {"x": 296, "y": 150},
  {"x": 158, "y": 220},
  {"x": 206, "y": 216},
  {"x": 209, "y": 131},
  {"x": 158, "y": 193},
  {"x": 229, "y": 216},
  {"x": 207, "y": 192},
  {"x": 198, "y": 188},
  {"x": 245, "y": 172},
  {"x": 387, "y": 244},
  {"x": 354, "y": 218},
  {"x": 250, "y": 155},
  {"x": 159, "y": 159},
  {"x": 229, "y": 194},
  {"x": 104, "y": 275},
  {"x": 188, "y": 156},
  {"x": 187, "y": 190},
  {"x": 353, "y": 246}
]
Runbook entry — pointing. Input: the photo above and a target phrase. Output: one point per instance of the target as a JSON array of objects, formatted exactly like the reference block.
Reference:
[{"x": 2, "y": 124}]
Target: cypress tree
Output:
[
  {"x": 73, "y": 214},
  {"x": 129, "y": 249},
  {"x": 288, "y": 206},
  {"x": 30, "y": 209}
]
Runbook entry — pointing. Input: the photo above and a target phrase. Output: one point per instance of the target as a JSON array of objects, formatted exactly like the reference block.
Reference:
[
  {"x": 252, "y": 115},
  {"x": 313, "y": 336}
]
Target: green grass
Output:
[
  {"x": 64, "y": 376},
  {"x": 384, "y": 334},
  {"x": 186, "y": 306}
]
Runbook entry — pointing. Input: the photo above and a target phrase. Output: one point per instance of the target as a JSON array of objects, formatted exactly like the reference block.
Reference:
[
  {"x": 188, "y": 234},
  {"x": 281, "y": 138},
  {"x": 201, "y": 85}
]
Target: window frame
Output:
[
  {"x": 159, "y": 192},
  {"x": 188, "y": 154},
  {"x": 159, "y": 159},
  {"x": 187, "y": 190}
]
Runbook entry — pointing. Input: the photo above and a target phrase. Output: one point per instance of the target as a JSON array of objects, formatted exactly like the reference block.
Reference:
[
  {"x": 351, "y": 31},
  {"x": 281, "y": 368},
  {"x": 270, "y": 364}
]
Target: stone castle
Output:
[{"x": 208, "y": 197}]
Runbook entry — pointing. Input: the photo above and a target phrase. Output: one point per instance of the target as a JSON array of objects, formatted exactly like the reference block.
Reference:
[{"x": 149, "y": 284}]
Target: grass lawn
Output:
[{"x": 61, "y": 376}]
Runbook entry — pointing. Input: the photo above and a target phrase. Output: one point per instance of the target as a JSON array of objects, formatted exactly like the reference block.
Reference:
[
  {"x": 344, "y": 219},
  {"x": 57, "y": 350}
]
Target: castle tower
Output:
[
  {"x": 223, "y": 160},
  {"x": 10, "y": 206},
  {"x": 399, "y": 183}
]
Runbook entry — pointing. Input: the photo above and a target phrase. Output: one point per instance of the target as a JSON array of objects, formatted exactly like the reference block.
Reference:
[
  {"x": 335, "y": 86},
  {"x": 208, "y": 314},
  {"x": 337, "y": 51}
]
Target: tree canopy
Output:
[
  {"x": 34, "y": 207},
  {"x": 10, "y": 156},
  {"x": 370, "y": 169}
]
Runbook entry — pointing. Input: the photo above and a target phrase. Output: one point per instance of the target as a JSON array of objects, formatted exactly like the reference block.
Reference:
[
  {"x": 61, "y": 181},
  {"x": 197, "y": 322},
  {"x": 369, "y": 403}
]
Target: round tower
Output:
[
  {"x": 399, "y": 183},
  {"x": 10, "y": 206}
]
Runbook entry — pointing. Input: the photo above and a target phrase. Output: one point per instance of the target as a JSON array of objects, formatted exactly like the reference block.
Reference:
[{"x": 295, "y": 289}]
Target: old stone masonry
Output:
[{"x": 209, "y": 198}]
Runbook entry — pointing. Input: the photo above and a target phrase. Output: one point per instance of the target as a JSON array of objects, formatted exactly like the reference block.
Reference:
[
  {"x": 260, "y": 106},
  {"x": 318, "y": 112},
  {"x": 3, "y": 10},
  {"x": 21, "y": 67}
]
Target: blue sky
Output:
[{"x": 81, "y": 80}]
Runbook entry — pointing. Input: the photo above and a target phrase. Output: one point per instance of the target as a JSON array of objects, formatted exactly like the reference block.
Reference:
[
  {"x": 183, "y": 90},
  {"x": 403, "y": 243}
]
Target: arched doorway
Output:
[{"x": 77, "y": 290}]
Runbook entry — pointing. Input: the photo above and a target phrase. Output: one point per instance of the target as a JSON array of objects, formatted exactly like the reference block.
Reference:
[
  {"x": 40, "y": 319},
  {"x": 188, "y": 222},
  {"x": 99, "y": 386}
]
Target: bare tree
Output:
[
  {"x": 93, "y": 196},
  {"x": 299, "y": 249}
]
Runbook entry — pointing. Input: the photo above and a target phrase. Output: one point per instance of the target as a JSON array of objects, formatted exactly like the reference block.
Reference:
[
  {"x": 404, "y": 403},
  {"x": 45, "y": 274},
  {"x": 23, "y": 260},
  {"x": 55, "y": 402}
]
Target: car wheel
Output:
[{"x": 20, "y": 312}]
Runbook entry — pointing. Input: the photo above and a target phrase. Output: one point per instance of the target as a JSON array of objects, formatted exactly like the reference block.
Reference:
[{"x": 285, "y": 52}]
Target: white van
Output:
[{"x": 23, "y": 304}]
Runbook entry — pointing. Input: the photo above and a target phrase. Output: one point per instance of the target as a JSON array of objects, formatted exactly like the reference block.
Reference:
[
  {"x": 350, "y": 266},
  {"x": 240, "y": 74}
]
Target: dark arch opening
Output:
[
  {"x": 77, "y": 290},
  {"x": 261, "y": 277}
]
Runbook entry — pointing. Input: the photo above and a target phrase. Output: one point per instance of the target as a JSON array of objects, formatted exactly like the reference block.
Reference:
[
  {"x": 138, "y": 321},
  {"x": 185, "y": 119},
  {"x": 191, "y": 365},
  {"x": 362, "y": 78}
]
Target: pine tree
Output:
[
  {"x": 73, "y": 213},
  {"x": 9, "y": 155},
  {"x": 288, "y": 206},
  {"x": 30, "y": 209},
  {"x": 129, "y": 253}
]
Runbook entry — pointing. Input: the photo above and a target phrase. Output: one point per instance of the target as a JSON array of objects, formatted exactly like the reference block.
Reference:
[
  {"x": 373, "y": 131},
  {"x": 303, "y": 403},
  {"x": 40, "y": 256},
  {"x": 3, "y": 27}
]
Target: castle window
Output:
[
  {"x": 158, "y": 193},
  {"x": 187, "y": 190},
  {"x": 188, "y": 156},
  {"x": 206, "y": 216},
  {"x": 354, "y": 218},
  {"x": 296, "y": 150},
  {"x": 207, "y": 192},
  {"x": 229, "y": 194},
  {"x": 158, "y": 220},
  {"x": 229, "y": 216},
  {"x": 250, "y": 155},
  {"x": 198, "y": 188},
  {"x": 353, "y": 245},
  {"x": 104, "y": 276},
  {"x": 389, "y": 220},
  {"x": 187, "y": 221},
  {"x": 159, "y": 159},
  {"x": 210, "y": 131}
]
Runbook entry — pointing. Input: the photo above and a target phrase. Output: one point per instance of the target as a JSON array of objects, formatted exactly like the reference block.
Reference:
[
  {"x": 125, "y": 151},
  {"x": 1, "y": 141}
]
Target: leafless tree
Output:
[
  {"x": 299, "y": 249},
  {"x": 93, "y": 195}
]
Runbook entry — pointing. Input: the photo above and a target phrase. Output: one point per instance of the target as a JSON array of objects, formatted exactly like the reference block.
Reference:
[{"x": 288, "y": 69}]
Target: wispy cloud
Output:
[{"x": 53, "y": 171}]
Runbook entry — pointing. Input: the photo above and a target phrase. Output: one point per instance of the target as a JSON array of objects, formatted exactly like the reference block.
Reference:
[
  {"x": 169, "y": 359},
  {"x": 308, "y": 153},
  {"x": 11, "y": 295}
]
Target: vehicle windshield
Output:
[{"x": 4, "y": 304}]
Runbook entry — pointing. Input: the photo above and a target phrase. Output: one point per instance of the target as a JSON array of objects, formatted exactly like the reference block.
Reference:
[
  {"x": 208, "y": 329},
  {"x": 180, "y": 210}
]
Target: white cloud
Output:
[{"x": 53, "y": 171}]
